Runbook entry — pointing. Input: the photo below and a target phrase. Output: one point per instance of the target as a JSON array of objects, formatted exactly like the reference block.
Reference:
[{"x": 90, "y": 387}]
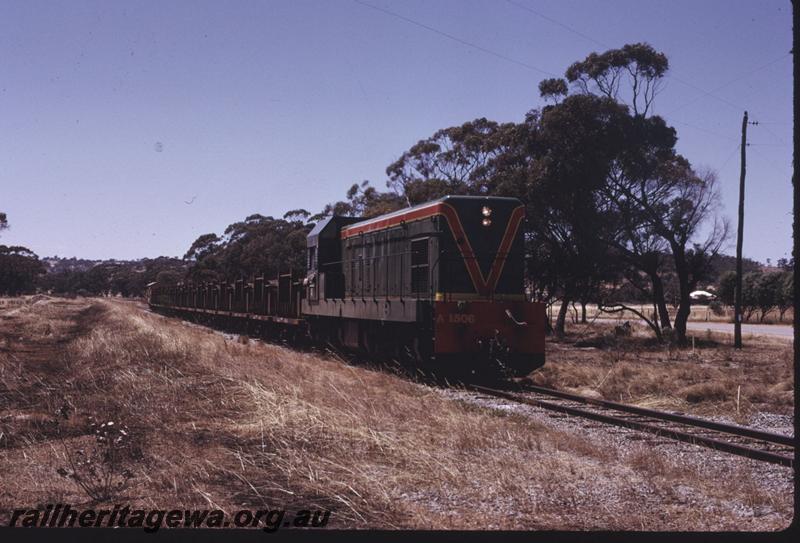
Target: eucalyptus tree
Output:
[
  {"x": 658, "y": 201},
  {"x": 362, "y": 200},
  {"x": 453, "y": 160},
  {"x": 19, "y": 269},
  {"x": 638, "y": 63},
  {"x": 256, "y": 245}
]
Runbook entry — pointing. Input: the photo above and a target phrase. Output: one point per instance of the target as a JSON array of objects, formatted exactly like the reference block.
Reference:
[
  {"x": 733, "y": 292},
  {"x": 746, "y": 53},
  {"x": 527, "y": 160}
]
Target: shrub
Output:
[
  {"x": 705, "y": 392},
  {"x": 99, "y": 471},
  {"x": 717, "y": 307}
]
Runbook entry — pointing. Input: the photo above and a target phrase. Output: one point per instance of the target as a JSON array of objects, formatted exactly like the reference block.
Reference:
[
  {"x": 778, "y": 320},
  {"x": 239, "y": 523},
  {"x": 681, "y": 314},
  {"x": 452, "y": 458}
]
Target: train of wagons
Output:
[{"x": 441, "y": 283}]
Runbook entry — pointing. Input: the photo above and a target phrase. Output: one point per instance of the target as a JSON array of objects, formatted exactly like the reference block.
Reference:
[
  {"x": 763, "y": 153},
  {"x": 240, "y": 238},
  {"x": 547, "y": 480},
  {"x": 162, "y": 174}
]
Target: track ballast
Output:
[{"x": 738, "y": 440}]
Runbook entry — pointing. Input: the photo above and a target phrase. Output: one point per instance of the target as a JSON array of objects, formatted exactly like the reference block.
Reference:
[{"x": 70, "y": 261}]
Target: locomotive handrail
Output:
[{"x": 515, "y": 321}]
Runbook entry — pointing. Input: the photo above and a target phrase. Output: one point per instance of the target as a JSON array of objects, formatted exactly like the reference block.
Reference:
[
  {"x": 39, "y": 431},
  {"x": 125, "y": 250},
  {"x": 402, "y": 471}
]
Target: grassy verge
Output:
[{"x": 711, "y": 378}]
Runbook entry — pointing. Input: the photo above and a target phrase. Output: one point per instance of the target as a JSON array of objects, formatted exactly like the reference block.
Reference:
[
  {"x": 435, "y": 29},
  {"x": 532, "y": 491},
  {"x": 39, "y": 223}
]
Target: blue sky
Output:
[{"x": 113, "y": 115}]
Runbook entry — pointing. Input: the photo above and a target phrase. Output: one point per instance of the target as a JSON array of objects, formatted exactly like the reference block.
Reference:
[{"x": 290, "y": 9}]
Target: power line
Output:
[
  {"x": 770, "y": 144},
  {"x": 774, "y": 135},
  {"x": 587, "y": 37},
  {"x": 456, "y": 38},
  {"x": 562, "y": 25},
  {"x": 706, "y": 130},
  {"x": 706, "y": 93},
  {"x": 672, "y": 76},
  {"x": 730, "y": 82},
  {"x": 725, "y": 163}
]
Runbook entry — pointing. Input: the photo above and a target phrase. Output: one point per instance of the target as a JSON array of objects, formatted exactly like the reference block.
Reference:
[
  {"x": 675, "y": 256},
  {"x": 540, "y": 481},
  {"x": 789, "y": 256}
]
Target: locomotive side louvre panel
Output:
[
  {"x": 238, "y": 296},
  {"x": 312, "y": 274},
  {"x": 386, "y": 264},
  {"x": 404, "y": 269},
  {"x": 285, "y": 297},
  {"x": 395, "y": 263},
  {"x": 358, "y": 282},
  {"x": 369, "y": 266},
  {"x": 312, "y": 258},
  {"x": 248, "y": 297},
  {"x": 258, "y": 295},
  {"x": 420, "y": 268}
]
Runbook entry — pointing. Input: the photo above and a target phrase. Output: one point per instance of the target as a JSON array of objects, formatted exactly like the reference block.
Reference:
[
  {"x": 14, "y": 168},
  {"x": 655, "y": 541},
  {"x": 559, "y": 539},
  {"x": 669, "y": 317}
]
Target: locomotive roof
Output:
[
  {"x": 451, "y": 199},
  {"x": 337, "y": 221}
]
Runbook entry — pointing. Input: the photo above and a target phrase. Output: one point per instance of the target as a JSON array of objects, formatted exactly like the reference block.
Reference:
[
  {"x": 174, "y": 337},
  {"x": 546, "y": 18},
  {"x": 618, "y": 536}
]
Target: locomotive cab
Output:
[{"x": 324, "y": 271}]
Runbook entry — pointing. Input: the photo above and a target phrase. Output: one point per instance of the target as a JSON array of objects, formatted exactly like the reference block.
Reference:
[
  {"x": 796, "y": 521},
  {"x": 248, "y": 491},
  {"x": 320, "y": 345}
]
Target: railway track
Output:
[{"x": 729, "y": 438}]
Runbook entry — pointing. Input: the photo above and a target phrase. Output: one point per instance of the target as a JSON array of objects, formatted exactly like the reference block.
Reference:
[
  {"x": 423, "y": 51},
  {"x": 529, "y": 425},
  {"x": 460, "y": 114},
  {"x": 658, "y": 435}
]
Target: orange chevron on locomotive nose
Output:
[{"x": 484, "y": 286}]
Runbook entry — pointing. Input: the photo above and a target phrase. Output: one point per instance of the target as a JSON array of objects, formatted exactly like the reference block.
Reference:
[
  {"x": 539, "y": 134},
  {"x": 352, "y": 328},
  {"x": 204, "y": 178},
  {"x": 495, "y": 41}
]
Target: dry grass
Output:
[
  {"x": 704, "y": 380},
  {"x": 218, "y": 423}
]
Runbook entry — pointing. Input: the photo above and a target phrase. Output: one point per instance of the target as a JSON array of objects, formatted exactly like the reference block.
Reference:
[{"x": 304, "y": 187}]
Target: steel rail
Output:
[
  {"x": 674, "y": 417},
  {"x": 724, "y": 446}
]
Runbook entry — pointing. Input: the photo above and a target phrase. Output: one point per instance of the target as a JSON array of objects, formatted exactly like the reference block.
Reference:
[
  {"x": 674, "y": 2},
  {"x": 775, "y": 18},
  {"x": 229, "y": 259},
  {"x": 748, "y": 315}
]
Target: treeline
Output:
[
  {"x": 761, "y": 291},
  {"x": 19, "y": 267},
  {"x": 114, "y": 278}
]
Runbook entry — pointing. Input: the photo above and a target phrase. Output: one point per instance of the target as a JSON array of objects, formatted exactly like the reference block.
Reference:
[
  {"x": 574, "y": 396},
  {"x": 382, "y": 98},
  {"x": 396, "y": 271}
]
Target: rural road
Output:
[
  {"x": 780, "y": 330},
  {"x": 774, "y": 330}
]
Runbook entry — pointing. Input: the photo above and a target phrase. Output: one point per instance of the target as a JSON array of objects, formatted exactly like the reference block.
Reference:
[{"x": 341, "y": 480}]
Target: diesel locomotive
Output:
[{"x": 439, "y": 283}]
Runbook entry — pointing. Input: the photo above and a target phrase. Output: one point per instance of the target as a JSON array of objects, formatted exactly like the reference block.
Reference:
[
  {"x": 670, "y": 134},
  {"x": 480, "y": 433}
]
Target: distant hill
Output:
[
  {"x": 55, "y": 264},
  {"x": 725, "y": 263}
]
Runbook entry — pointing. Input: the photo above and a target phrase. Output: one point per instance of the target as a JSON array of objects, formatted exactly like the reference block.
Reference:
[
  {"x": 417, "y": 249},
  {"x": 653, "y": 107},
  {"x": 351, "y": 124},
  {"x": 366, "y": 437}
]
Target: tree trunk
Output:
[
  {"x": 562, "y": 317},
  {"x": 658, "y": 299},
  {"x": 685, "y": 303},
  {"x": 583, "y": 312}
]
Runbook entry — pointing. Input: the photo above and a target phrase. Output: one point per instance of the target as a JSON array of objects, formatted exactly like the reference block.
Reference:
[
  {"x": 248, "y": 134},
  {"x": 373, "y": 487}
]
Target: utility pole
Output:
[{"x": 737, "y": 311}]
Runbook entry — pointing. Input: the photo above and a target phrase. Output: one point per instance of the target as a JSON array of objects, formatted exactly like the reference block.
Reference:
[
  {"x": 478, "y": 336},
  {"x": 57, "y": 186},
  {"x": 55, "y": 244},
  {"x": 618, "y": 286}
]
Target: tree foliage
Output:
[
  {"x": 19, "y": 270},
  {"x": 639, "y": 63},
  {"x": 453, "y": 160},
  {"x": 250, "y": 247},
  {"x": 553, "y": 89},
  {"x": 762, "y": 292},
  {"x": 362, "y": 200},
  {"x": 113, "y": 278}
]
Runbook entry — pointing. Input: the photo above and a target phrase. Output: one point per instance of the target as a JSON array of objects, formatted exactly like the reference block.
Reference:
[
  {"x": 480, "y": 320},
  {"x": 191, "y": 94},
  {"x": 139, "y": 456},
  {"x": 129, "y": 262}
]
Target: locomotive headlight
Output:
[
  {"x": 486, "y": 211},
  {"x": 486, "y": 221}
]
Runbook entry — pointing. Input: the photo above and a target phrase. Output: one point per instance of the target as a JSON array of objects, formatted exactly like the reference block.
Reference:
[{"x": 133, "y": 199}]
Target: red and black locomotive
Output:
[{"x": 439, "y": 283}]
